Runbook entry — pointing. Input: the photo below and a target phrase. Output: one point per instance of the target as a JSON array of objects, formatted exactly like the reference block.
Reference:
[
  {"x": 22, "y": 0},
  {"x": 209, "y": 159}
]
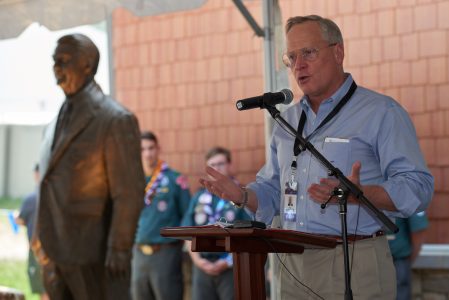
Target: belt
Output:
[
  {"x": 149, "y": 249},
  {"x": 356, "y": 237}
]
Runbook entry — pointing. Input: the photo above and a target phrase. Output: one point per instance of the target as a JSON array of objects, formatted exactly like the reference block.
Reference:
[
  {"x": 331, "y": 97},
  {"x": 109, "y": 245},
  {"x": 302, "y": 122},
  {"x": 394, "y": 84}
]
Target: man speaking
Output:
[{"x": 369, "y": 137}]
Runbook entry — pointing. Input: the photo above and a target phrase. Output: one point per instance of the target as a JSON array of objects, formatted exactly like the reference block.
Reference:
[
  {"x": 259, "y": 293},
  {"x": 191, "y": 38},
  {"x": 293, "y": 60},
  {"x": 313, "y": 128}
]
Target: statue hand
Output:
[{"x": 118, "y": 263}]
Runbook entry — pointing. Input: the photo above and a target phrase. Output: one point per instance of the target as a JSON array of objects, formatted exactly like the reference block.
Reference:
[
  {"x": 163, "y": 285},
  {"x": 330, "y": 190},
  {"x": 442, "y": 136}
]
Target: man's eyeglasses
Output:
[{"x": 308, "y": 54}]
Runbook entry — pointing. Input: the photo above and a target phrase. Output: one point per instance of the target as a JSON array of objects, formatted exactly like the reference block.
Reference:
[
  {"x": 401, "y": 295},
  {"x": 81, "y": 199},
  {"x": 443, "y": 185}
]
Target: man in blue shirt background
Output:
[
  {"x": 27, "y": 217},
  {"x": 405, "y": 246},
  {"x": 370, "y": 138}
]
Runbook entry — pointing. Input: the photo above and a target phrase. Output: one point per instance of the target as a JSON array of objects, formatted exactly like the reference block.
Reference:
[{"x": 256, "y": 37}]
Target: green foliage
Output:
[
  {"x": 10, "y": 203},
  {"x": 13, "y": 274}
]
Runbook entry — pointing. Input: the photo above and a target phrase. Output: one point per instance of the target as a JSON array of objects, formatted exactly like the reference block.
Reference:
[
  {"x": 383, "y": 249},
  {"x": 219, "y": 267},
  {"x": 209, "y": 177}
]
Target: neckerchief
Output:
[
  {"x": 215, "y": 214},
  {"x": 153, "y": 184}
]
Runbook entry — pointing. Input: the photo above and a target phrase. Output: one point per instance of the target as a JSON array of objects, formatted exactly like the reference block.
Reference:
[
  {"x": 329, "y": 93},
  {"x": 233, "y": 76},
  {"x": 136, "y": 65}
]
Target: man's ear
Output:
[
  {"x": 87, "y": 69},
  {"x": 339, "y": 53},
  {"x": 87, "y": 66}
]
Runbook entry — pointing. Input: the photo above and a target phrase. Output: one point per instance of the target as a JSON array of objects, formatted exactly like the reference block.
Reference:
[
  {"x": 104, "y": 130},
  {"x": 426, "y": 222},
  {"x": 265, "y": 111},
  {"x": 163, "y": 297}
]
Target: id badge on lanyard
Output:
[
  {"x": 291, "y": 186},
  {"x": 290, "y": 196}
]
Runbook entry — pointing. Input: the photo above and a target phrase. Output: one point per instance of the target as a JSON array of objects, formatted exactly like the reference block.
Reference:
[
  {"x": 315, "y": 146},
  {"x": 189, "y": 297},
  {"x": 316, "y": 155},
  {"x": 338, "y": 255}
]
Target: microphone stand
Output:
[{"x": 342, "y": 192}]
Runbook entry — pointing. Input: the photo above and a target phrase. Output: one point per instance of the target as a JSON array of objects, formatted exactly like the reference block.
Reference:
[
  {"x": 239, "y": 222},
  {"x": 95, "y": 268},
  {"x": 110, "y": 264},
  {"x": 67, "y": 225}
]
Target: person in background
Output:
[
  {"x": 369, "y": 137},
  {"x": 26, "y": 217},
  {"x": 212, "y": 271},
  {"x": 405, "y": 246},
  {"x": 92, "y": 184},
  {"x": 157, "y": 261}
]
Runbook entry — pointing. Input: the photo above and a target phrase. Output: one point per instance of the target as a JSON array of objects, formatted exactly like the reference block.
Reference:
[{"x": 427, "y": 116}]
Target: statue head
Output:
[{"x": 76, "y": 61}]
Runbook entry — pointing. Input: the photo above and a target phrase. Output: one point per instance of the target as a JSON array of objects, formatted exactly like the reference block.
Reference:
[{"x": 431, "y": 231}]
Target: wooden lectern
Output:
[{"x": 249, "y": 247}]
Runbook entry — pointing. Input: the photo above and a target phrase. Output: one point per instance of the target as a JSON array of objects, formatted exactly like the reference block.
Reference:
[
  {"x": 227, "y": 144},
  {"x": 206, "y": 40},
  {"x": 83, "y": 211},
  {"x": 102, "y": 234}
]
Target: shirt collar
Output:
[{"x": 332, "y": 100}]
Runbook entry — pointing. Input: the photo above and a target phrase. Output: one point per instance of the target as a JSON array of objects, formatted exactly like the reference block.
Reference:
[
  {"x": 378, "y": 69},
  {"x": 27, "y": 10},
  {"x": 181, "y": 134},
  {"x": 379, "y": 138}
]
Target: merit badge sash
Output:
[{"x": 153, "y": 184}]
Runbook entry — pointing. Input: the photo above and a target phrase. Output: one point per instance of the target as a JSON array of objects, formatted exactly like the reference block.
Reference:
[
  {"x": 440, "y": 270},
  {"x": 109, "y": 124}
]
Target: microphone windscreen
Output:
[{"x": 288, "y": 96}]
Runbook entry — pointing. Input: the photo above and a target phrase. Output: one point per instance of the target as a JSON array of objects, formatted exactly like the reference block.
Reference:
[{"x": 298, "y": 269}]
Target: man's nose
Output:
[{"x": 300, "y": 62}]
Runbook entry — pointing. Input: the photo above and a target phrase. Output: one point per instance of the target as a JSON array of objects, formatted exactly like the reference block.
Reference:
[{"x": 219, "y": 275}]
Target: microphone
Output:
[{"x": 268, "y": 99}]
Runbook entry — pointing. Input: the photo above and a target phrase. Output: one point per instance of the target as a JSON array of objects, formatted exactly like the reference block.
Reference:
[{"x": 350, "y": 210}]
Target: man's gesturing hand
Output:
[
  {"x": 320, "y": 192},
  {"x": 222, "y": 186}
]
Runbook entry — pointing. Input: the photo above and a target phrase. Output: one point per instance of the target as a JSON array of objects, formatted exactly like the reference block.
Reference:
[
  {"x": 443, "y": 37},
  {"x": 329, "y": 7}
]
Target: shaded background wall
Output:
[
  {"x": 19, "y": 153},
  {"x": 181, "y": 74}
]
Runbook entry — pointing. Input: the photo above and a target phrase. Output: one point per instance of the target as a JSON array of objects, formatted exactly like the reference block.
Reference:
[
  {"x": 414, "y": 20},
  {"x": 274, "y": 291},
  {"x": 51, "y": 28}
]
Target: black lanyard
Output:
[{"x": 302, "y": 120}]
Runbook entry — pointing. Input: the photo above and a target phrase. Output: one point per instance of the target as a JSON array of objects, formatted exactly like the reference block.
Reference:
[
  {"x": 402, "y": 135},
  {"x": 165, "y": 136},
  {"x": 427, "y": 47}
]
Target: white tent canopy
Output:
[
  {"x": 16, "y": 15},
  {"x": 29, "y": 94}
]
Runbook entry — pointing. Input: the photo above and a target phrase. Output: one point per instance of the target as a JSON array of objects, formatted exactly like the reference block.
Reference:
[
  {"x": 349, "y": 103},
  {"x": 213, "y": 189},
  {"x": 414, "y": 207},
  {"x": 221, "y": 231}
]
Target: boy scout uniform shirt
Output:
[
  {"x": 167, "y": 208},
  {"x": 206, "y": 209},
  {"x": 400, "y": 243}
]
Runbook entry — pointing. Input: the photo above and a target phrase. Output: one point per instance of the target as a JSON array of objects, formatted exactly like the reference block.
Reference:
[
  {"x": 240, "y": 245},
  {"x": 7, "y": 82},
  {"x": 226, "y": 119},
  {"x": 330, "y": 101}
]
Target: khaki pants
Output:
[{"x": 322, "y": 270}]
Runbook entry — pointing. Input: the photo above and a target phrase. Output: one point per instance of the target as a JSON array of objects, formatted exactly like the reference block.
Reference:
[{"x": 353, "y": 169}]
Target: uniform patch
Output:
[
  {"x": 162, "y": 205},
  {"x": 200, "y": 218},
  {"x": 230, "y": 215},
  {"x": 164, "y": 181},
  {"x": 208, "y": 210},
  {"x": 182, "y": 182},
  {"x": 205, "y": 198},
  {"x": 199, "y": 208},
  {"x": 163, "y": 190}
]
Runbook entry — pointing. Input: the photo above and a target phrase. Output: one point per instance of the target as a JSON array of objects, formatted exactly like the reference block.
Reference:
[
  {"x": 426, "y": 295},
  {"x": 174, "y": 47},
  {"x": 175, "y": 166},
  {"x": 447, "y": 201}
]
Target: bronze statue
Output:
[{"x": 91, "y": 192}]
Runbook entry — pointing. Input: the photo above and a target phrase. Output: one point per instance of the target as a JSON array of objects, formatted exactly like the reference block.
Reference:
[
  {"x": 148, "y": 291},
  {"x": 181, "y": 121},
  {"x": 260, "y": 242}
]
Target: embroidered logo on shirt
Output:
[
  {"x": 163, "y": 190},
  {"x": 182, "y": 182},
  {"x": 164, "y": 181},
  {"x": 230, "y": 216},
  {"x": 200, "y": 218},
  {"x": 162, "y": 205},
  {"x": 205, "y": 198}
]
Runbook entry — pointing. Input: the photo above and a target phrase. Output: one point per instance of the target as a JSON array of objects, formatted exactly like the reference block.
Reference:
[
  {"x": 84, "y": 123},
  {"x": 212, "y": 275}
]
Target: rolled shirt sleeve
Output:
[{"x": 408, "y": 182}]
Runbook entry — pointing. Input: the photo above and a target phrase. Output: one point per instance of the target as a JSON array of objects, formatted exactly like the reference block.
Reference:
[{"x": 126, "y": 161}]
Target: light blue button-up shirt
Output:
[{"x": 371, "y": 128}]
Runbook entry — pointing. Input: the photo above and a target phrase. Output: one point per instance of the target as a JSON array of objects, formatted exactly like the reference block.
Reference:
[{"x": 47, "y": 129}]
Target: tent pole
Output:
[{"x": 111, "y": 69}]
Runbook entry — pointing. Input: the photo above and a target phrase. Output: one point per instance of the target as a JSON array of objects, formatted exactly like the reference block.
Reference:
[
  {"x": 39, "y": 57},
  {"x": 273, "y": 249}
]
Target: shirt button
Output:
[
  {"x": 304, "y": 170},
  {"x": 301, "y": 197},
  {"x": 301, "y": 224}
]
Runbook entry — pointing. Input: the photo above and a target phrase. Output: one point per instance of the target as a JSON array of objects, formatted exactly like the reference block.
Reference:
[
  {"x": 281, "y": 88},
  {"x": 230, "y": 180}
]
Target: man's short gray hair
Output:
[{"x": 330, "y": 31}]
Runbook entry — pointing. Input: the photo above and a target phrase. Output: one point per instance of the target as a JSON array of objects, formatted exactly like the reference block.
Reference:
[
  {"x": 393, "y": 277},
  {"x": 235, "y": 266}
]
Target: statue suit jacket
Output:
[{"x": 92, "y": 185}]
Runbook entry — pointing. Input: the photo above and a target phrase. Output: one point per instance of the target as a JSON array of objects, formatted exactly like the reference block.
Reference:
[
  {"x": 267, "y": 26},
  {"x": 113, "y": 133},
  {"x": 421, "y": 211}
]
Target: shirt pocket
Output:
[{"x": 338, "y": 152}]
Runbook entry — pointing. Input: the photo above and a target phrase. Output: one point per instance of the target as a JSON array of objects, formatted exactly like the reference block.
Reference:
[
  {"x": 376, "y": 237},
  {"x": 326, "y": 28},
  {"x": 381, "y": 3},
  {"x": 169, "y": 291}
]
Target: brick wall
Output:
[{"x": 181, "y": 73}]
